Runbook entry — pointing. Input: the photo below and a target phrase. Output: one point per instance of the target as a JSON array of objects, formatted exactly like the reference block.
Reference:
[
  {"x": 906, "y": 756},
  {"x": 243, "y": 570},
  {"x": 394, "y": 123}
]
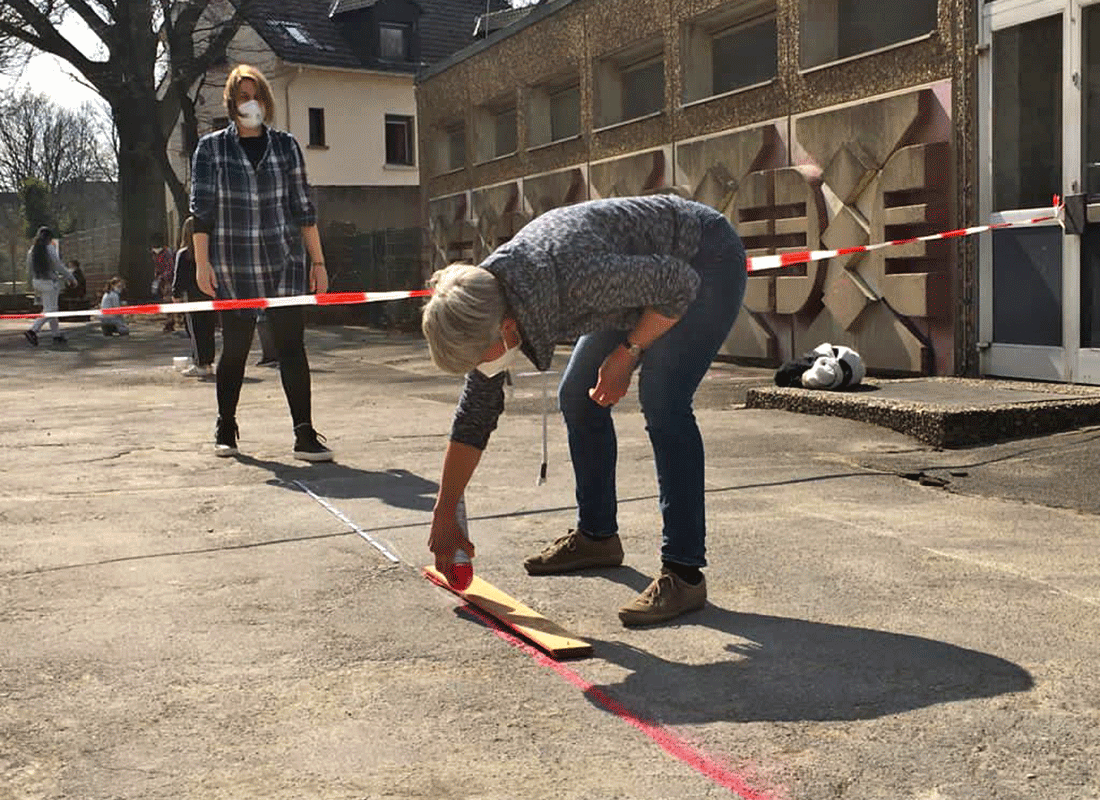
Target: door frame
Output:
[{"x": 1066, "y": 363}]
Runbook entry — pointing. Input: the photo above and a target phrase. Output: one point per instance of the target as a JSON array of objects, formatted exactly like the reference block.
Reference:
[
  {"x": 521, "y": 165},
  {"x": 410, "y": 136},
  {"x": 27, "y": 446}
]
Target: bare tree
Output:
[
  {"x": 135, "y": 36},
  {"x": 41, "y": 139}
]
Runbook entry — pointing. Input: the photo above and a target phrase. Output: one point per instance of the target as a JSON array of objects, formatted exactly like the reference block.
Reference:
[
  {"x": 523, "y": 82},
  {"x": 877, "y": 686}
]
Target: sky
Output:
[{"x": 52, "y": 76}]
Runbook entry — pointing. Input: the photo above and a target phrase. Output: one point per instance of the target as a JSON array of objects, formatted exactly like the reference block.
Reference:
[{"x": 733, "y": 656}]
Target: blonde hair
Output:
[
  {"x": 462, "y": 318},
  {"x": 187, "y": 235},
  {"x": 263, "y": 89}
]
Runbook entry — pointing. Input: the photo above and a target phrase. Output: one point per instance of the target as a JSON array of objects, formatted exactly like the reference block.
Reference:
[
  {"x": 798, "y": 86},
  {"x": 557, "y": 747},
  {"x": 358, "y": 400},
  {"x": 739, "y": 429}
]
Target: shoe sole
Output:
[
  {"x": 558, "y": 569},
  {"x": 634, "y": 619},
  {"x": 224, "y": 452},
  {"x": 314, "y": 457}
]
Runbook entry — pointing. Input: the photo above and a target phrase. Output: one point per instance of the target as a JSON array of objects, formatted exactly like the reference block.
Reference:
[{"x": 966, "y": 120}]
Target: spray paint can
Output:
[{"x": 462, "y": 568}]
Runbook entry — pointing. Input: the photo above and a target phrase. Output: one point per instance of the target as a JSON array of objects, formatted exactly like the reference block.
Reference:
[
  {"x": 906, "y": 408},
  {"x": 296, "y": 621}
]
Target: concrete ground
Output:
[{"x": 886, "y": 619}]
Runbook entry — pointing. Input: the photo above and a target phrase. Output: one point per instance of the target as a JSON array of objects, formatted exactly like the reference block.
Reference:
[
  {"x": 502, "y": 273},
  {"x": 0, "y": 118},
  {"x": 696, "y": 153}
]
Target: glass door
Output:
[
  {"x": 1039, "y": 85},
  {"x": 1025, "y": 273},
  {"x": 1089, "y": 353}
]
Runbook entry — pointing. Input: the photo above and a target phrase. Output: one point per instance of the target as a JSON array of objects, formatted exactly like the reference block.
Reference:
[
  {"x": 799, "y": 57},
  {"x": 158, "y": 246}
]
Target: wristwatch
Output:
[{"x": 634, "y": 349}]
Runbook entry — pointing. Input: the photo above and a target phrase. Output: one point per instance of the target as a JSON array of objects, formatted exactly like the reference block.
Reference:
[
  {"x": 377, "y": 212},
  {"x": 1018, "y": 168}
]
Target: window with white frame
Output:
[
  {"x": 630, "y": 84},
  {"x": 393, "y": 41},
  {"x": 729, "y": 49},
  {"x": 836, "y": 29},
  {"x": 316, "y": 127},
  {"x": 400, "y": 141},
  {"x": 554, "y": 111}
]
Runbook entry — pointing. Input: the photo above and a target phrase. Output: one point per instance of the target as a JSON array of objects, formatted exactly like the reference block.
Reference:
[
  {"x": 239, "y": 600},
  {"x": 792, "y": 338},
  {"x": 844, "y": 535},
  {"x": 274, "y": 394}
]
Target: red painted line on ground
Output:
[{"x": 664, "y": 738}]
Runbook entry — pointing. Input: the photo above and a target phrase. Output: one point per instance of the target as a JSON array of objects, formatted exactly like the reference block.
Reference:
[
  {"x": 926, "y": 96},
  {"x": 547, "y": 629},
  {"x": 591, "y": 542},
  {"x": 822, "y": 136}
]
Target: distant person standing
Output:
[
  {"x": 254, "y": 225},
  {"x": 199, "y": 323},
  {"x": 46, "y": 274},
  {"x": 164, "y": 264},
  {"x": 79, "y": 289}
]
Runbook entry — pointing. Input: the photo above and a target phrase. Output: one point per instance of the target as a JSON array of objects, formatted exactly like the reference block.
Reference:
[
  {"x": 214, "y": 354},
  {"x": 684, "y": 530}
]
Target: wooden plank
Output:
[{"x": 531, "y": 625}]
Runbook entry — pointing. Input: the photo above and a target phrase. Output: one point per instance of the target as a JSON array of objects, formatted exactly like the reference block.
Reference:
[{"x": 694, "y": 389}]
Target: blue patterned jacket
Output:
[
  {"x": 582, "y": 268},
  {"x": 255, "y": 215}
]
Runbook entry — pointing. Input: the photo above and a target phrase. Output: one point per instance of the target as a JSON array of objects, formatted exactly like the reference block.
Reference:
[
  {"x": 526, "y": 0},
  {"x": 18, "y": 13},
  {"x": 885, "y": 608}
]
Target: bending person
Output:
[{"x": 653, "y": 282}]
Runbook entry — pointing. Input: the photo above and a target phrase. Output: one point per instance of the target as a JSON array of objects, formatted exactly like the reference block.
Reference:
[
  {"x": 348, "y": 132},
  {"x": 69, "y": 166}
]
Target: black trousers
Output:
[
  {"x": 200, "y": 325},
  {"x": 288, "y": 328}
]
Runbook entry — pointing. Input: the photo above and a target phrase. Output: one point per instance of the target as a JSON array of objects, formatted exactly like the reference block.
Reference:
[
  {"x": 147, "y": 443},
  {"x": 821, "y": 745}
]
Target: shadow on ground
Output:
[
  {"x": 395, "y": 487},
  {"x": 791, "y": 670}
]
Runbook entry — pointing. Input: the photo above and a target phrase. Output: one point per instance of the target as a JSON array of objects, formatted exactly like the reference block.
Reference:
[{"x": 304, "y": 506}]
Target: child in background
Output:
[{"x": 112, "y": 298}]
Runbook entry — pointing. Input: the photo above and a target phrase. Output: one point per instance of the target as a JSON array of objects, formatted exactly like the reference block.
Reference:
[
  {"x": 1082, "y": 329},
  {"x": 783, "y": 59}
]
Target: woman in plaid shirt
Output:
[{"x": 254, "y": 223}]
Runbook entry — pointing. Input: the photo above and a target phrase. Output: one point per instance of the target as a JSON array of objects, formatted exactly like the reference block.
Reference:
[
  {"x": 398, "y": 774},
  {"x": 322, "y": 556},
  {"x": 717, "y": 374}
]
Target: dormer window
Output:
[
  {"x": 393, "y": 41},
  {"x": 297, "y": 34}
]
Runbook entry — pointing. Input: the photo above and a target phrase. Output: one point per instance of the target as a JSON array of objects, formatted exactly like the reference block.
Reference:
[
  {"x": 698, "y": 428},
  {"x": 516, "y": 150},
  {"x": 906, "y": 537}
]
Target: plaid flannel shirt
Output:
[{"x": 255, "y": 215}]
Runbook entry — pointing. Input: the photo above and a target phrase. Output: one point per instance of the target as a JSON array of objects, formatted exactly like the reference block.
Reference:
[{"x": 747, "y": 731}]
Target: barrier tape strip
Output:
[
  {"x": 330, "y": 299},
  {"x": 758, "y": 263},
  {"x": 753, "y": 264}
]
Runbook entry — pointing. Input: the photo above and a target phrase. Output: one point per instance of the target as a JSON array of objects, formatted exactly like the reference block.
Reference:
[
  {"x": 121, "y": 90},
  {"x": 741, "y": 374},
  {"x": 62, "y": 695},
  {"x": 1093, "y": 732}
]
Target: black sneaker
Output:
[
  {"x": 32, "y": 337},
  {"x": 307, "y": 444},
  {"x": 225, "y": 437}
]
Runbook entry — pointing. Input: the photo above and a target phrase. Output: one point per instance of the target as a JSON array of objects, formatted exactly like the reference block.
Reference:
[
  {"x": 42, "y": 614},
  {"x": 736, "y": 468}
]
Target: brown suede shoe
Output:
[
  {"x": 576, "y": 551},
  {"x": 667, "y": 597}
]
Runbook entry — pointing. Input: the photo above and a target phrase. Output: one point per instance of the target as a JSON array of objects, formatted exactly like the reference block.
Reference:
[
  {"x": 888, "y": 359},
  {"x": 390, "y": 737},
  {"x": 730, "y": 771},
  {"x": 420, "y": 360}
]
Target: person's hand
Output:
[
  {"x": 614, "y": 378},
  {"x": 318, "y": 278},
  {"x": 446, "y": 537},
  {"x": 204, "y": 277}
]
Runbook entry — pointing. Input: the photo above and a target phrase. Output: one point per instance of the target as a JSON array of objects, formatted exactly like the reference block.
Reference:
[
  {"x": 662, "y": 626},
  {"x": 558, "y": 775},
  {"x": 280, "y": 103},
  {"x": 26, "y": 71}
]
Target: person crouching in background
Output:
[{"x": 114, "y": 324}]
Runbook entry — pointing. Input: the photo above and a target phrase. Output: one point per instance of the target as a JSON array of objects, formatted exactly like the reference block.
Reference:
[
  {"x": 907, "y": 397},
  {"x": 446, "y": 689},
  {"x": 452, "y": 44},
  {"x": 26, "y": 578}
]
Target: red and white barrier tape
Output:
[
  {"x": 753, "y": 264},
  {"x": 759, "y": 263},
  {"x": 331, "y": 299}
]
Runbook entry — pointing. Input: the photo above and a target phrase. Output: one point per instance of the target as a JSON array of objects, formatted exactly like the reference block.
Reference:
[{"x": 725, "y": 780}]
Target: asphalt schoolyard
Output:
[{"x": 178, "y": 626}]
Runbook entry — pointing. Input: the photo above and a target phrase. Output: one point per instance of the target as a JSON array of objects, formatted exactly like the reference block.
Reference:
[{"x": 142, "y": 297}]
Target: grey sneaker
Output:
[
  {"x": 576, "y": 551},
  {"x": 667, "y": 597}
]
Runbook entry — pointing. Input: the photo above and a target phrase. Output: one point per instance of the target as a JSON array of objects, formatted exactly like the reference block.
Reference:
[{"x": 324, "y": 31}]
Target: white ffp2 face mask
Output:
[
  {"x": 502, "y": 362},
  {"x": 251, "y": 114}
]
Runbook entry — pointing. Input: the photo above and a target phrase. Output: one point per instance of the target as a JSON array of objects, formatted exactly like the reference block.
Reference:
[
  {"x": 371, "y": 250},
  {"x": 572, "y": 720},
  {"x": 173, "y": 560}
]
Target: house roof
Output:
[
  {"x": 495, "y": 20},
  {"x": 535, "y": 13},
  {"x": 309, "y": 31},
  {"x": 448, "y": 25}
]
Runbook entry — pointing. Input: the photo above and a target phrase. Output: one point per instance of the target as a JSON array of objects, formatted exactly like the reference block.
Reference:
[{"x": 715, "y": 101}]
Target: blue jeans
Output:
[{"x": 670, "y": 371}]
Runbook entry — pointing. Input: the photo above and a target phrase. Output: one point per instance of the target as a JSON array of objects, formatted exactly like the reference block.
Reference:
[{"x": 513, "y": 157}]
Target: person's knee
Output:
[
  {"x": 574, "y": 402},
  {"x": 664, "y": 408}
]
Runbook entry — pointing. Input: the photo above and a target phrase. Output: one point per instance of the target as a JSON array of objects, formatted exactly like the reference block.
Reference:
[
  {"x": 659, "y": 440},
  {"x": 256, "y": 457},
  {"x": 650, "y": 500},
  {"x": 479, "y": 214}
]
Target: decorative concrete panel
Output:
[
  {"x": 885, "y": 175},
  {"x": 449, "y": 230},
  {"x": 554, "y": 190},
  {"x": 499, "y": 213},
  {"x": 731, "y": 172},
  {"x": 631, "y": 175}
]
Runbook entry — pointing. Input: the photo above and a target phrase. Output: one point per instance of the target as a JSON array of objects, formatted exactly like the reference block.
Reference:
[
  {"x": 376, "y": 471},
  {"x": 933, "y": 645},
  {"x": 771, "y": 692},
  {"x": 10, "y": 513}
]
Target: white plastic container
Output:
[{"x": 180, "y": 363}]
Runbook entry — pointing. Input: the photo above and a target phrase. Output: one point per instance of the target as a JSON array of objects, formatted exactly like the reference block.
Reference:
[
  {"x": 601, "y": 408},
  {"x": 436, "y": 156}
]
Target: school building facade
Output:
[{"x": 812, "y": 124}]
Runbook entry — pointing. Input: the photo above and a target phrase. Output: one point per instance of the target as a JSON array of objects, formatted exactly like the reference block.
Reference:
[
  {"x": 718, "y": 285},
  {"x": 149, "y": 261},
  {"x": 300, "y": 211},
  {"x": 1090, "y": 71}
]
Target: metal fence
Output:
[{"x": 385, "y": 260}]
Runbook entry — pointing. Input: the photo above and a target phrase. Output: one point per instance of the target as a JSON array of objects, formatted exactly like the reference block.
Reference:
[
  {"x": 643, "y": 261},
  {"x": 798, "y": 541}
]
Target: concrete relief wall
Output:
[
  {"x": 863, "y": 150},
  {"x": 555, "y": 189},
  {"x": 450, "y": 234},
  {"x": 499, "y": 213},
  {"x": 734, "y": 173},
  {"x": 635, "y": 174},
  {"x": 885, "y": 169}
]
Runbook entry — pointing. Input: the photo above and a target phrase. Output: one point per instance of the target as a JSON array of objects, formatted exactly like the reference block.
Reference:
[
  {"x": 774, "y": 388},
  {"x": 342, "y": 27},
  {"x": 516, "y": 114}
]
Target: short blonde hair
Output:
[
  {"x": 263, "y": 89},
  {"x": 462, "y": 318}
]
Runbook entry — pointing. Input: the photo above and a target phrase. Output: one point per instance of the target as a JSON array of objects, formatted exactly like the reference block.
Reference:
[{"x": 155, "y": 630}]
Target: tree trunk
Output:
[{"x": 141, "y": 201}]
